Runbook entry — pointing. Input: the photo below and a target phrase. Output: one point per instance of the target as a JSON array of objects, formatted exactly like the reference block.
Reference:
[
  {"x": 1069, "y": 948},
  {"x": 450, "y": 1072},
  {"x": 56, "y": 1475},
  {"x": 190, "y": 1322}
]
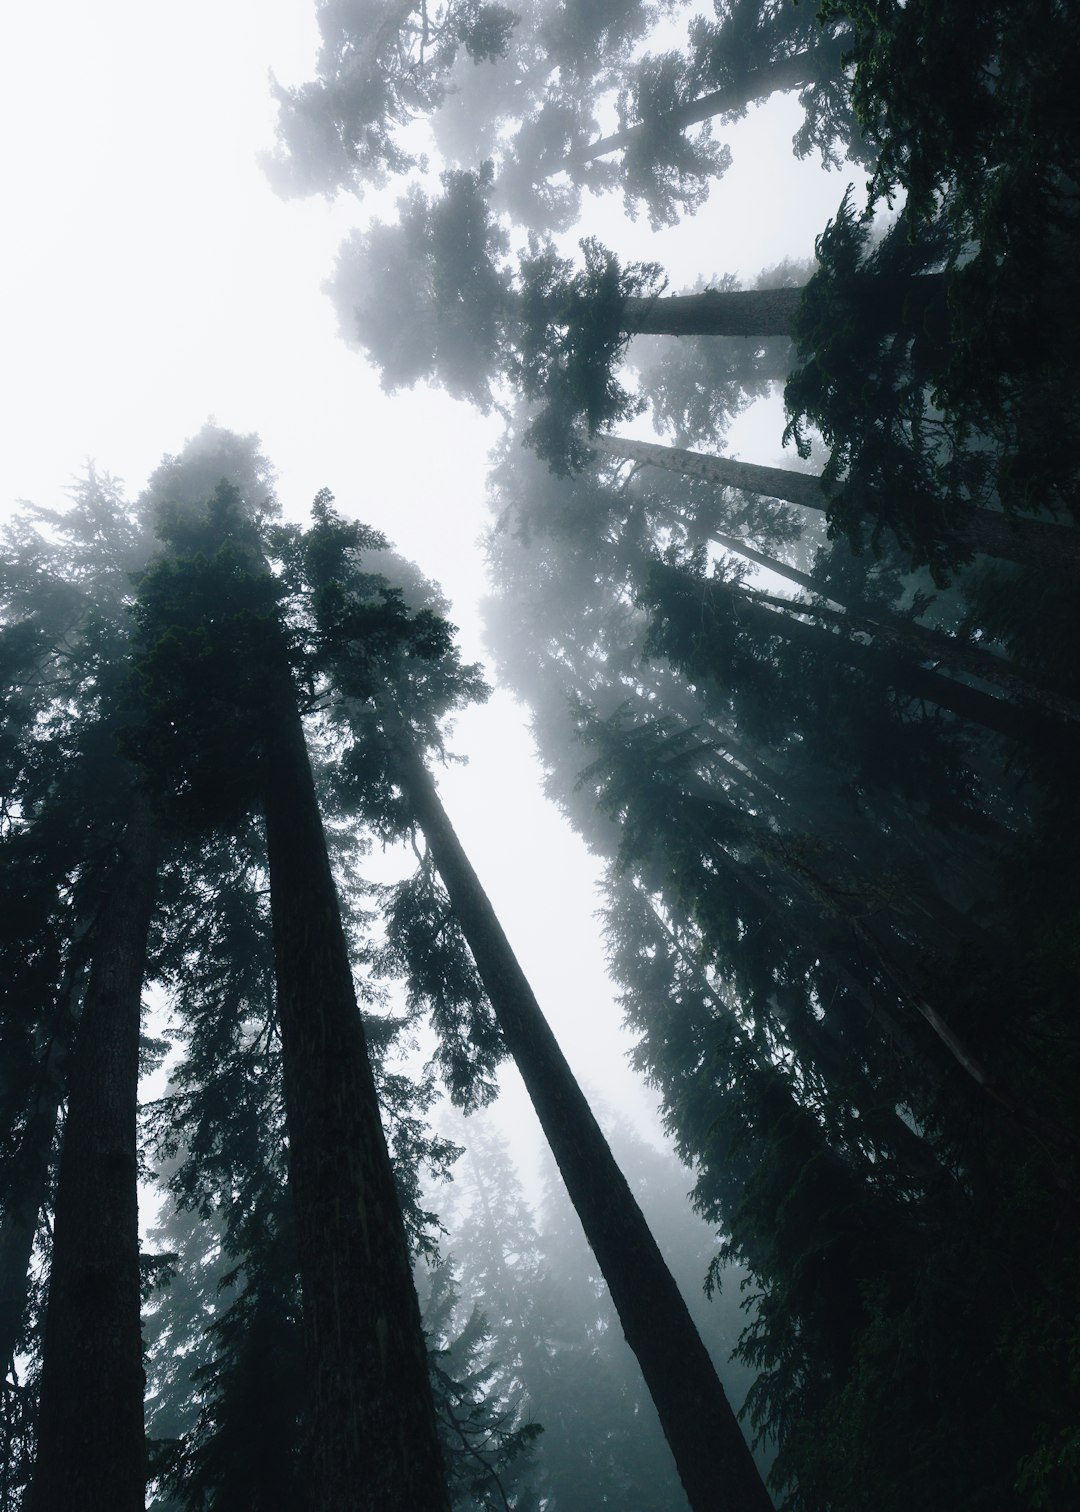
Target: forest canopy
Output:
[{"x": 814, "y": 713}]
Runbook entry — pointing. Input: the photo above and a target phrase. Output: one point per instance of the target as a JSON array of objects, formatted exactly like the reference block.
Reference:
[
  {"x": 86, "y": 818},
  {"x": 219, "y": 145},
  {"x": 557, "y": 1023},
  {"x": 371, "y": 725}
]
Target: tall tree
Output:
[
  {"x": 712, "y": 1459},
  {"x": 91, "y": 1448},
  {"x": 225, "y": 734},
  {"x": 433, "y": 297},
  {"x": 79, "y": 832},
  {"x": 1039, "y": 544}
]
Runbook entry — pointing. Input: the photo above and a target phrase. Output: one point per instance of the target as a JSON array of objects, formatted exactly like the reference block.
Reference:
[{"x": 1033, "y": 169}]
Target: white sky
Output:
[{"x": 151, "y": 281}]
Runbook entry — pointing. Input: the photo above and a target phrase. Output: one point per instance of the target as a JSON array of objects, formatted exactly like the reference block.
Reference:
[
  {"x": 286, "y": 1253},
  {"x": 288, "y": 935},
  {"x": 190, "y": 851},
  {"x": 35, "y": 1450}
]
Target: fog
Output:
[{"x": 777, "y": 840}]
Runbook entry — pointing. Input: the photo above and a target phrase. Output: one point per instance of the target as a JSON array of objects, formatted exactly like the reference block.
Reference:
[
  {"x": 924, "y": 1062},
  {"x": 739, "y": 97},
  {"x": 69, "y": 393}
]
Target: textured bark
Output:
[
  {"x": 756, "y": 84},
  {"x": 371, "y": 1436},
  {"x": 713, "y": 1462},
  {"x": 1030, "y": 543},
  {"x": 91, "y": 1454},
  {"x": 26, "y": 1182},
  {"x": 714, "y": 312}
]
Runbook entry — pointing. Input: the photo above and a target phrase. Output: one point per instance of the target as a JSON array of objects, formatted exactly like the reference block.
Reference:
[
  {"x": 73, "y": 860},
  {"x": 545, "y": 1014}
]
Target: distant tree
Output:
[
  {"x": 1038, "y": 544},
  {"x": 430, "y": 298},
  {"x": 382, "y": 63},
  {"x": 750, "y": 52},
  {"x": 693, "y": 388}
]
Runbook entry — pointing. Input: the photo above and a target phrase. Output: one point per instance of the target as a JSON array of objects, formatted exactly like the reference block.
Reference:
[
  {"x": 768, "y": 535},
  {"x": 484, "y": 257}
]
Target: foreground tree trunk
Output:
[
  {"x": 713, "y": 1462},
  {"x": 26, "y": 1185},
  {"x": 1030, "y": 543},
  {"x": 91, "y": 1454},
  {"x": 372, "y": 1433}
]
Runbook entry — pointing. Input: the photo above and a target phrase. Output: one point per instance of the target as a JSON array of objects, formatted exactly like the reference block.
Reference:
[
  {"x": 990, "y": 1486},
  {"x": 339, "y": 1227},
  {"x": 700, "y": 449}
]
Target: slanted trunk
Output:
[
  {"x": 26, "y": 1184},
  {"x": 1030, "y": 543},
  {"x": 713, "y": 1462},
  {"x": 371, "y": 1433},
  {"x": 905, "y": 675},
  {"x": 91, "y": 1454},
  {"x": 714, "y": 312},
  {"x": 756, "y": 84},
  {"x": 918, "y": 641}
]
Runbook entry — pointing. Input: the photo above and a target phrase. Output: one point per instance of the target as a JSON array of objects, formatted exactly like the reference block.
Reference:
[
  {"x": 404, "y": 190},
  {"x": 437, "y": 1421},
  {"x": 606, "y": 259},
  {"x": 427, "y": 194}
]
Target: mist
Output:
[{"x": 538, "y": 619}]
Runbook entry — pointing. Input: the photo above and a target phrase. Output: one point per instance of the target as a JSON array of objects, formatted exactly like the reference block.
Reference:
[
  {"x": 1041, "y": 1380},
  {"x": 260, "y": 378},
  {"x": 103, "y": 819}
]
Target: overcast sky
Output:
[{"x": 151, "y": 281}]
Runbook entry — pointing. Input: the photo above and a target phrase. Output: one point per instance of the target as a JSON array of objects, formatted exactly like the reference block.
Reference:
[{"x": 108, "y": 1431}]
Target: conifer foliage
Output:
[{"x": 819, "y": 726}]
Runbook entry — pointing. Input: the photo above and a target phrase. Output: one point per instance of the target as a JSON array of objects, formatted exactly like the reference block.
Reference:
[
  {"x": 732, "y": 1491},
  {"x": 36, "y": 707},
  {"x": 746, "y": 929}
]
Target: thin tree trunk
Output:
[
  {"x": 91, "y": 1453},
  {"x": 27, "y": 1177},
  {"x": 1030, "y": 543},
  {"x": 372, "y": 1431},
  {"x": 918, "y": 641},
  {"x": 757, "y": 84},
  {"x": 906, "y": 675},
  {"x": 713, "y": 1462}
]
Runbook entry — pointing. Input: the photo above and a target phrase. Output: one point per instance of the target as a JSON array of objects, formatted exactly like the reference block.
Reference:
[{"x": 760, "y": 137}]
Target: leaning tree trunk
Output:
[
  {"x": 900, "y": 671},
  {"x": 1030, "y": 543},
  {"x": 714, "y": 312},
  {"x": 713, "y": 1461},
  {"x": 91, "y": 1452},
  {"x": 372, "y": 1433},
  {"x": 756, "y": 84},
  {"x": 921, "y": 642}
]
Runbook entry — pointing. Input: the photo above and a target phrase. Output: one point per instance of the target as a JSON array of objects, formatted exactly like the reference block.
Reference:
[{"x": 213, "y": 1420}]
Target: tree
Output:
[
  {"x": 429, "y": 298},
  {"x": 749, "y": 53},
  {"x": 1038, "y": 544},
  {"x": 769, "y": 821},
  {"x": 224, "y": 734},
  {"x": 694, "y": 1413},
  {"x": 381, "y": 64},
  {"x": 929, "y": 420},
  {"x": 90, "y": 1430},
  {"x": 80, "y": 833}
]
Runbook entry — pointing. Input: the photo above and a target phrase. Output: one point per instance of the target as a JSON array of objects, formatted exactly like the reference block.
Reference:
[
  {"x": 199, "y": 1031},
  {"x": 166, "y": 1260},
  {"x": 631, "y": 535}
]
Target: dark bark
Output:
[
  {"x": 713, "y": 1462},
  {"x": 714, "y": 312},
  {"x": 919, "y": 641},
  {"x": 754, "y": 84},
  {"x": 900, "y": 672},
  {"x": 26, "y": 1184},
  {"x": 371, "y": 1434},
  {"x": 1030, "y": 543},
  {"x": 91, "y": 1454}
]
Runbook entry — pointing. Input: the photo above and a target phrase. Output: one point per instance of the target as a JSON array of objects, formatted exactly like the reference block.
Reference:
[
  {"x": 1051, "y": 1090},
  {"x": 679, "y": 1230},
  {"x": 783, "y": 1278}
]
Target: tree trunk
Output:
[
  {"x": 757, "y": 84},
  {"x": 27, "y": 1178},
  {"x": 91, "y": 1453},
  {"x": 921, "y": 642},
  {"x": 714, "y": 312},
  {"x": 713, "y": 1462},
  {"x": 372, "y": 1433},
  {"x": 901, "y": 672},
  {"x": 1039, "y": 544}
]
